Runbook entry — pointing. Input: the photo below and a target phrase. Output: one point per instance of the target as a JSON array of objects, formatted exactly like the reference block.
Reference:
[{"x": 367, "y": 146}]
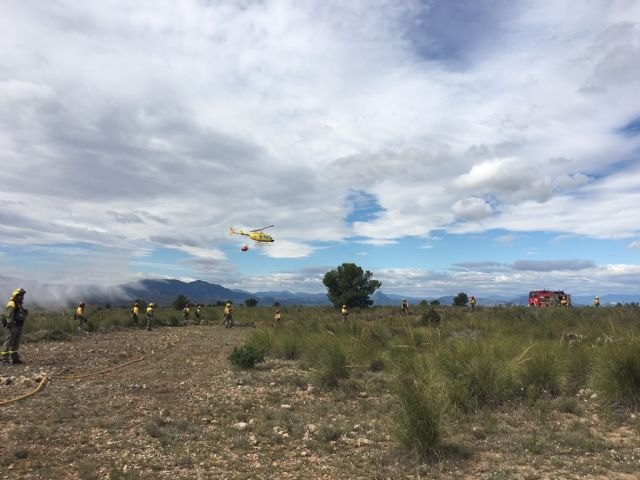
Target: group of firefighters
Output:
[{"x": 16, "y": 315}]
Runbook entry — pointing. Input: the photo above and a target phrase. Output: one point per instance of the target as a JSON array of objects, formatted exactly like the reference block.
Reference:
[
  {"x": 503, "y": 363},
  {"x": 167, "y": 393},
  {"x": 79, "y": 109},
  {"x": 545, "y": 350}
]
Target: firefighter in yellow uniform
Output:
[
  {"x": 149, "y": 312},
  {"x": 135, "y": 312},
  {"x": 596, "y": 301},
  {"x": 16, "y": 315},
  {"x": 80, "y": 316},
  {"x": 564, "y": 301},
  {"x": 344, "y": 312},
  {"x": 472, "y": 302},
  {"x": 198, "y": 314},
  {"x": 186, "y": 311},
  {"x": 228, "y": 315},
  {"x": 277, "y": 318}
]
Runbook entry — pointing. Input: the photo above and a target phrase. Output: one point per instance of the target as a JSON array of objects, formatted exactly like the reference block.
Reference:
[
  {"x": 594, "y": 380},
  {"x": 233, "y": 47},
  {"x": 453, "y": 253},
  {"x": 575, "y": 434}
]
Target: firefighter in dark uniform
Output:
[
  {"x": 405, "y": 306},
  {"x": 16, "y": 315}
]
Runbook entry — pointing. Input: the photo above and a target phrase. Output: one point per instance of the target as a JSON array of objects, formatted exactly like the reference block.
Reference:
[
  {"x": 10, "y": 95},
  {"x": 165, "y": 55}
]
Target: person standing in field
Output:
[
  {"x": 149, "y": 312},
  {"x": 405, "y": 306},
  {"x": 186, "y": 311},
  {"x": 472, "y": 302},
  {"x": 277, "y": 318},
  {"x": 596, "y": 301},
  {"x": 198, "y": 314},
  {"x": 16, "y": 315},
  {"x": 79, "y": 315},
  {"x": 344, "y": 312},
  {"x": 228, "y": 315},
  {"x": 135, "y": 312}
]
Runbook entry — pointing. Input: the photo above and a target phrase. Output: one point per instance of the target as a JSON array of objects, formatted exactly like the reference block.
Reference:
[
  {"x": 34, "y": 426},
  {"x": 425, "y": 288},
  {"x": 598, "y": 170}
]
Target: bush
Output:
[
  {"x": 617, "y": 374},
  {"x": 420, "y": 410},
  {"x": 578, "y": 365},
  {"x": 478, "y": 374},
  {"x": 246, "y": 356},
  {"x": 332, "y": 363},
  {"x": 286, "y": 344},
  {"x": 540, "y": 373},
  {"x": 430, "y": 317}
]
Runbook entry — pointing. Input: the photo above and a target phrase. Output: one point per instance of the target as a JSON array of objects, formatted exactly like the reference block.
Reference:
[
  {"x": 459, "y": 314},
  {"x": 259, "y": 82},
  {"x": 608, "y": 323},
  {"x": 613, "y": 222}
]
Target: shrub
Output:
[
  {"x": 430, "y": 317},
  {"x": 332, "y": 363},
  {"x": 421, "y": 403},
  {"x": 617, "y": 374},
  {"x": 540, "y": 373},
  {"x": 478, "y": 374},
  {"x": 246, "y": 356},
  {"x": 286, "y": 344},
  {"x": 578, "y": 364}
]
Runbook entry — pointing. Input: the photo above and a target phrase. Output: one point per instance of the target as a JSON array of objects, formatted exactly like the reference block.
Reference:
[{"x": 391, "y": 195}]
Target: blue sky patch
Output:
[
  {"x": 364, "y": 207},
  {"x": 632, "y": 128}
]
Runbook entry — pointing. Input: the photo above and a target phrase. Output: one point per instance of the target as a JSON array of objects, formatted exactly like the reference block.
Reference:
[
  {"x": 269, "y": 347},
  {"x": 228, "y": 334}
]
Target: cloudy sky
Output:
[{"x": 491, "y": 147}]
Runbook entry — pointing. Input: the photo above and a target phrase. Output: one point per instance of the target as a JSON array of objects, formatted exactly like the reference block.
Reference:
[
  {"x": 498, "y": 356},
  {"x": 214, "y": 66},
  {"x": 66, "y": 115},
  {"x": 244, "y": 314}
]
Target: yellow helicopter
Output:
[{"x": 256, "y": 235}]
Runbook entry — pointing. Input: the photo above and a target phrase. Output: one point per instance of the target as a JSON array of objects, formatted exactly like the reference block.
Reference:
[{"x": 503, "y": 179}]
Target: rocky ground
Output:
[{"x": 166, "y": 404}]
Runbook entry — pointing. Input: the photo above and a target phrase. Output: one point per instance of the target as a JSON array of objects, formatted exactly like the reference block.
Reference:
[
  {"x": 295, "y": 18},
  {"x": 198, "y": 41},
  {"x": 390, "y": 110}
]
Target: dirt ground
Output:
[{"x": 167, "y": 404}]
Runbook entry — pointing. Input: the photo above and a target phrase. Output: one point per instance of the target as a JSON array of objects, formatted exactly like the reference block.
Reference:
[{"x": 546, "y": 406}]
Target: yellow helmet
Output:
[
  {"x": 18, "y": 292},
  {"x": 152, "y": 304}
]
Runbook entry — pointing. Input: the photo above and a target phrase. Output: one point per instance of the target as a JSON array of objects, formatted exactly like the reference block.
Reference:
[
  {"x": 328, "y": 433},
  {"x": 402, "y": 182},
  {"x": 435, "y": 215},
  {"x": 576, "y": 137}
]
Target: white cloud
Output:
[
  {"x": 135, "y": 124},
  {"x": 471, "y": 209}
]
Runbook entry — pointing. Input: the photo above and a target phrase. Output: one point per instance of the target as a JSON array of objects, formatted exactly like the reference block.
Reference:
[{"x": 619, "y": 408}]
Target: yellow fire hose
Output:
[
  {"x": 45, "y": 378},
  {"x": 99, "y": 372},
  {"x": 38, "y": 388}
]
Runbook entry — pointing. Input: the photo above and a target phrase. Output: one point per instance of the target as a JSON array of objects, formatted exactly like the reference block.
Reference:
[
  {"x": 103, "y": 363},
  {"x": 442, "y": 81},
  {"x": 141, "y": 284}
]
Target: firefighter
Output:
[
  {"x": 15, "y": 317},
  {"x": 564, "y": 301},
  {"x": 79, "y": 315},
  {"x": 405, "y": 306},
  {"x": 186, "y": 311},
  {"x": 277, "y": 318},
  {"x": 596, "y": 301},
  {"x": 149, "y": 312},
  {"x": 198, "y": 314},
  {"x": 135, "y": 312},
  {"x": 472, "y": 302},
  {"x": 228, "y": 315},
  {"x": 344, "y": 312}
]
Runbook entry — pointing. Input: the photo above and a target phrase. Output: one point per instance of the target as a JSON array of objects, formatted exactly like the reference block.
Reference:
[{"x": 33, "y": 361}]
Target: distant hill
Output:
[{"x": 164, "y": 292}]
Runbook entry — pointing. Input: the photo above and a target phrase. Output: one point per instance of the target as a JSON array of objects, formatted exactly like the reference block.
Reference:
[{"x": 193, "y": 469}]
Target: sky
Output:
[{"x": 483, "y": 146}]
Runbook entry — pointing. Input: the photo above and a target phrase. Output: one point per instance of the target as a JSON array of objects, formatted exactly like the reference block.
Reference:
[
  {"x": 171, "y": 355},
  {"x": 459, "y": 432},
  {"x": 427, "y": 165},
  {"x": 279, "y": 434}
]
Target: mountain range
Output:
[{"x": 164, "y": 292}]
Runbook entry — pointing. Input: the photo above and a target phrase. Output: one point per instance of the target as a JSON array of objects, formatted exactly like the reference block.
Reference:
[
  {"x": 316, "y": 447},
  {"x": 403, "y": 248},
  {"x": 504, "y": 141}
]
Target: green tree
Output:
[
  {"x": 435, "y": 302},
  {"x": 460, "y": 300},
  {"x": 349, "y": 285},
  {"x": 251, "y": 302},
  {"x": 180, "y": 302}
]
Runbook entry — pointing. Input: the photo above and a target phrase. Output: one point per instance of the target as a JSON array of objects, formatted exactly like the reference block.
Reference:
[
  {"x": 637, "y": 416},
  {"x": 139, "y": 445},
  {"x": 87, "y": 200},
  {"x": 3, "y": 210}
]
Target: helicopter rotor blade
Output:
[{"x": 263, "y": 228}]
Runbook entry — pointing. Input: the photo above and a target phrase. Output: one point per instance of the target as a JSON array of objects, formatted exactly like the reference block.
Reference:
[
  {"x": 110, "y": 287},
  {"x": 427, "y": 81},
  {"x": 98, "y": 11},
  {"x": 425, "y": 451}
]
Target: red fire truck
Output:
[{"x": 549, "y": 298}]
